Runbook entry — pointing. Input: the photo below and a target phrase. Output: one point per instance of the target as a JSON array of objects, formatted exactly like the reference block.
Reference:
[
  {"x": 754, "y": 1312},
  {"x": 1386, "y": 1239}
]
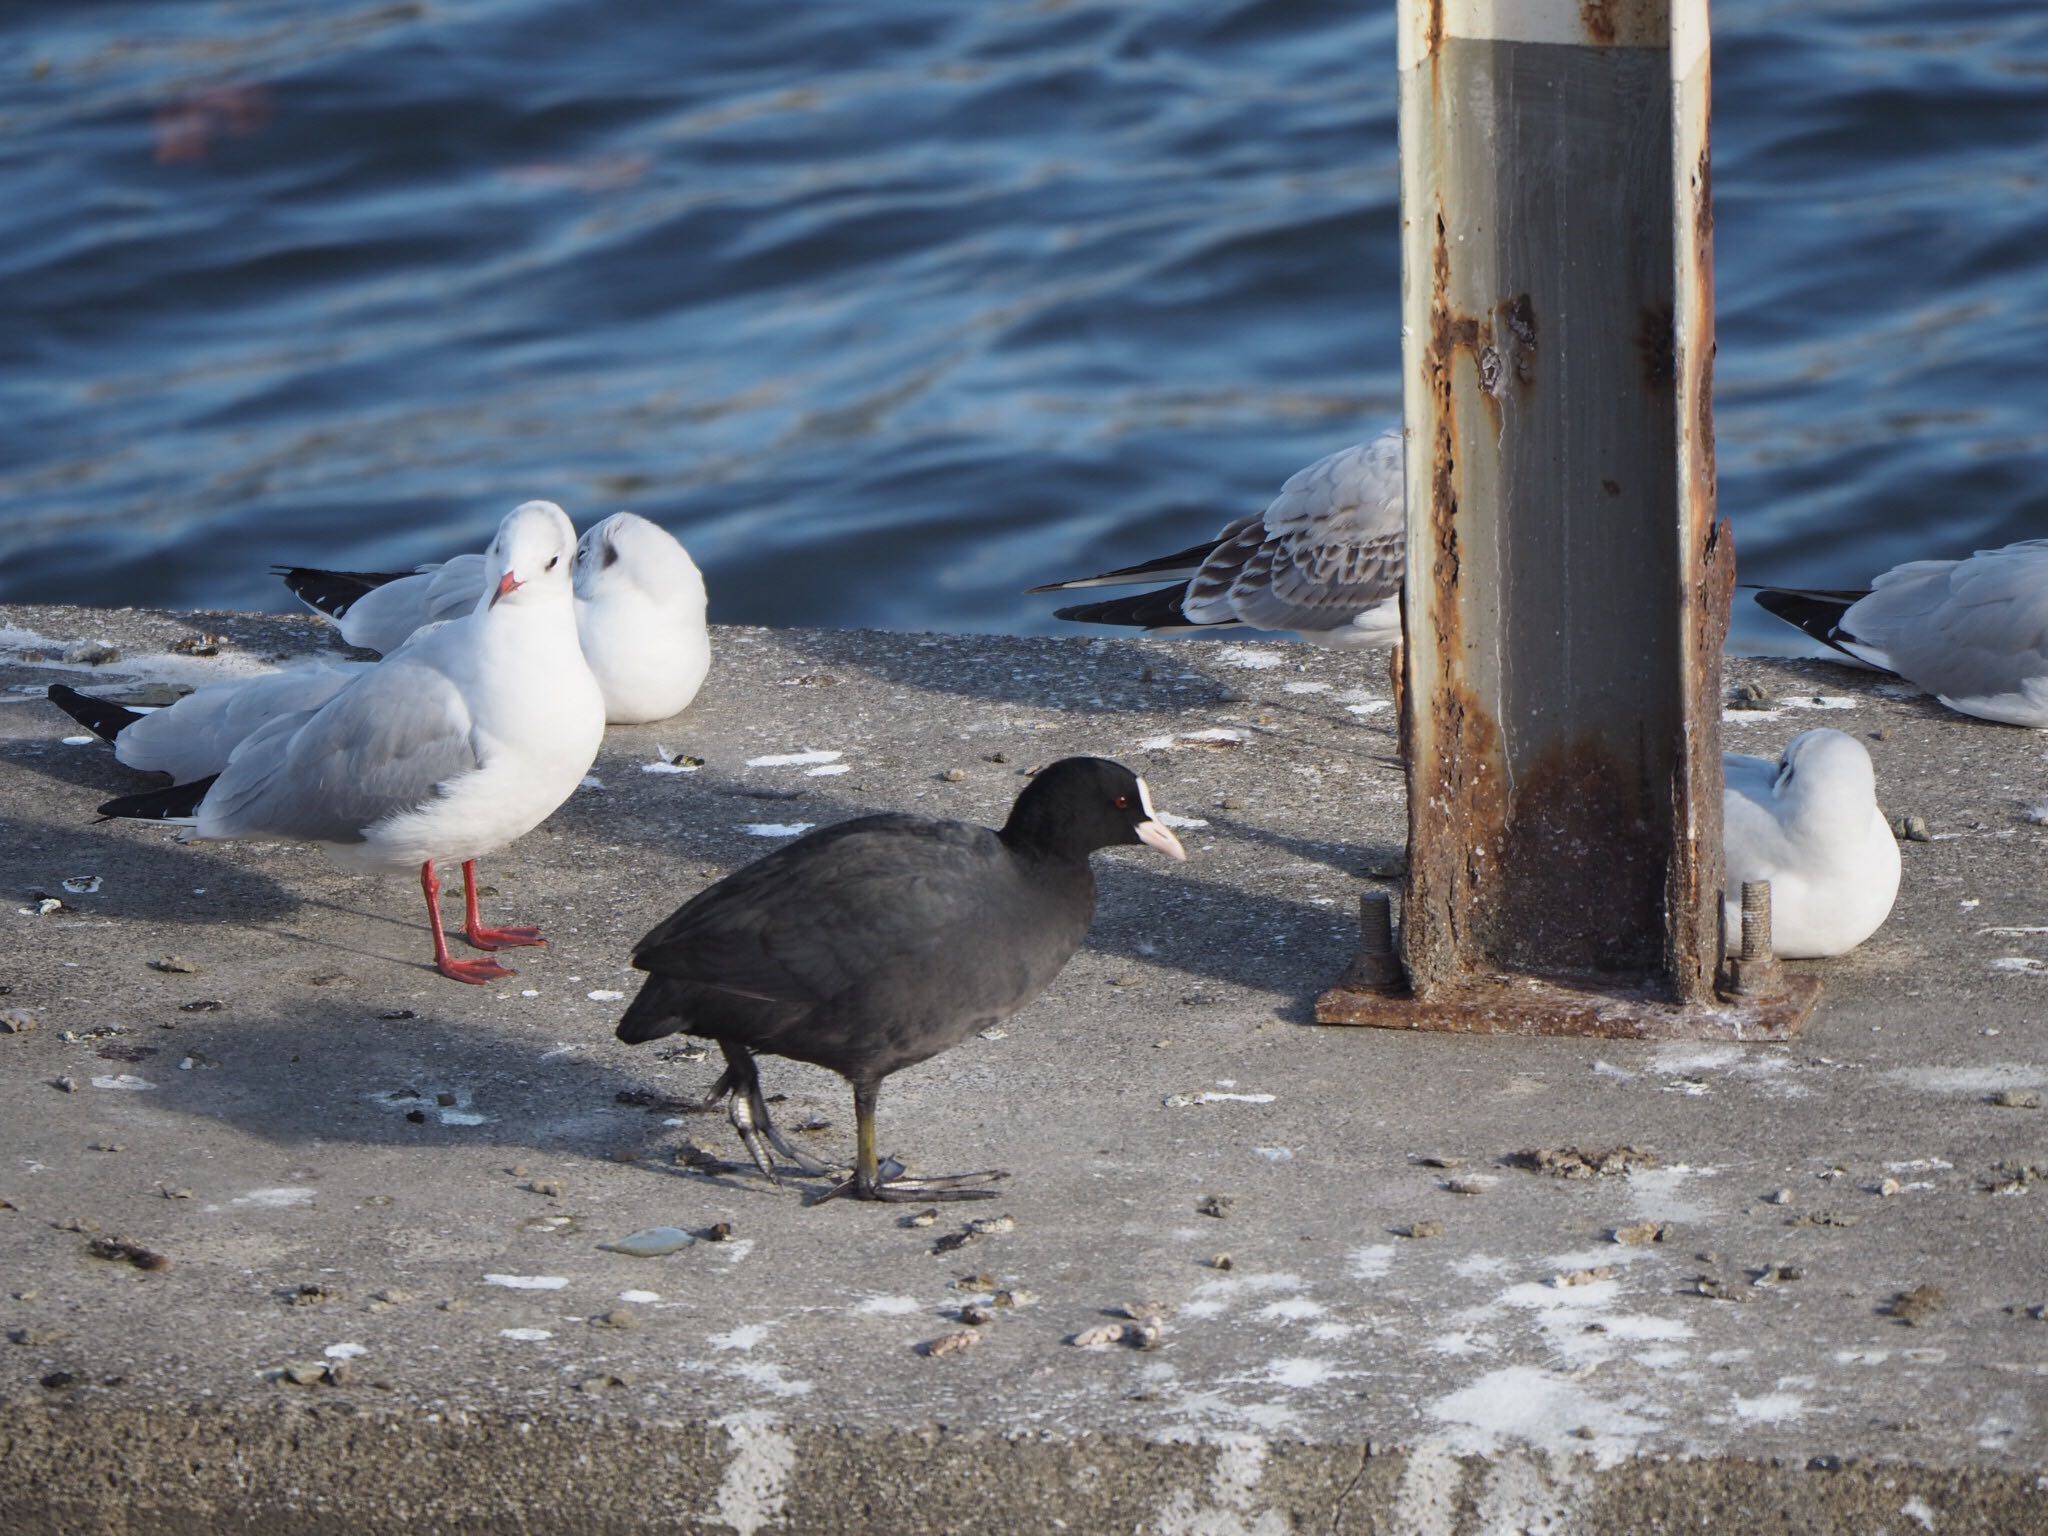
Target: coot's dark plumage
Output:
[{"x": 874, "y": 944}]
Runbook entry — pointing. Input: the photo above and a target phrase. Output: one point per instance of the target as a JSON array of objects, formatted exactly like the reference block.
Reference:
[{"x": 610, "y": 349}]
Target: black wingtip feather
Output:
[
  {"x": 1819, "y": 614},
  {"x": 104, "y": 718},
  {"x": 1157, "y": 609},
  {"x": 332, "y": 592},
  {"x": 1182, "y": 562},
  {"x": 159, "y": 804}
]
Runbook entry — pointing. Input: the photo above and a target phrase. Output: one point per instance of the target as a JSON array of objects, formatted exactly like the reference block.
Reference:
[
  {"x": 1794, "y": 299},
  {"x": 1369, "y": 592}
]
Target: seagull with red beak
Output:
[{"x": 464, "y": 738}]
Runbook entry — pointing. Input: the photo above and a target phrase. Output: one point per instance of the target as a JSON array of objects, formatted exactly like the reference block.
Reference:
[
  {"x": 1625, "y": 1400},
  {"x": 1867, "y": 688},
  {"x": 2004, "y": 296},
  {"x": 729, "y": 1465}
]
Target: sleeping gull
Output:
[
  {"x": 1324, "y": 560},
  {"x": 639, "y": 610},
  {"x": 640, "y": 613},
  {"x": 1974, "y": 633},
  {"x": 461, "y": 740},
  {"x": 1810, "y": 825}
]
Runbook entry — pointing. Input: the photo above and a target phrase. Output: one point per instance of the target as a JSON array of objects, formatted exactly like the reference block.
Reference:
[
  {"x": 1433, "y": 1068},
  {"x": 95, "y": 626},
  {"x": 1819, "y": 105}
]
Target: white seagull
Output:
[
  {"x": 466, "y": 737},
  {"x": 639, "y": 608},
  {"x": 1974, "y": 633},
  {"x": 1810, "y": 825},
  {"x": 640, "y": 613},
  {"x": 1325, "y": 560}
]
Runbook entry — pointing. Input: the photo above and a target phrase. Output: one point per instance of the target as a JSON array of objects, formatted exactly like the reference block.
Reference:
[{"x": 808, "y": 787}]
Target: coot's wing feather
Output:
[{"x": 820, "y": 916}]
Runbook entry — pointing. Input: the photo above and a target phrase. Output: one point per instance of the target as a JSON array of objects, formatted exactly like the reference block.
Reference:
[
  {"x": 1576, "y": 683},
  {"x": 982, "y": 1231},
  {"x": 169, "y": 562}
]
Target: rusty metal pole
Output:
[{"x": 1569, "y": 582}]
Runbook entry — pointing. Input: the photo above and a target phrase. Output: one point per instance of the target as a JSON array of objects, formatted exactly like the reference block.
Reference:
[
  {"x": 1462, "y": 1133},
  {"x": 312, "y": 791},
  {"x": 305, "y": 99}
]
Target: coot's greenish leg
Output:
[{"x": 874, "y": 1179}]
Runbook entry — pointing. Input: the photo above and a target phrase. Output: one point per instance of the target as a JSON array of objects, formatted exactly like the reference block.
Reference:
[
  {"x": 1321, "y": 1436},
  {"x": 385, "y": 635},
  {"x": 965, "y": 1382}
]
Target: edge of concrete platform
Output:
[{"x": 343, "y": 1467}]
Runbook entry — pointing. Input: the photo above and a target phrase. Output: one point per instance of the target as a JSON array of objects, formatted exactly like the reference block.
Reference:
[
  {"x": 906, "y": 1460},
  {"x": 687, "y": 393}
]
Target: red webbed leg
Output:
[
  {"x": 474, "y": 929},
  {"x": 475, "y": 972}
]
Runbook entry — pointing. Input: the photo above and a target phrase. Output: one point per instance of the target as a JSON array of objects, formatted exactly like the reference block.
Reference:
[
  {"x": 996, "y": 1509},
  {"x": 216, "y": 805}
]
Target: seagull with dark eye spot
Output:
[{"x": 466, "y": 737}]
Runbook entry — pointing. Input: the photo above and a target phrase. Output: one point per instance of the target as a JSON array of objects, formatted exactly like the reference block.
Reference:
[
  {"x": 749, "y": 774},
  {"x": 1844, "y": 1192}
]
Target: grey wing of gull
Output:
[
  {"x": 381, "y": 746},
  {"x": 382, "y": 620},
  {"x": 455, "y": 589},
  {"x": 1331, "y": 546},
  {"x": 1968, "y": 629},
  {"x": 196, "y": 736}
]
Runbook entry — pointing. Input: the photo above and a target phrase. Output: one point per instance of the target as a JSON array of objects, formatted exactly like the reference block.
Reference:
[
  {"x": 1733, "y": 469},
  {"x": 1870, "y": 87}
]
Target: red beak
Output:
[{"x": 506, "y": 583}]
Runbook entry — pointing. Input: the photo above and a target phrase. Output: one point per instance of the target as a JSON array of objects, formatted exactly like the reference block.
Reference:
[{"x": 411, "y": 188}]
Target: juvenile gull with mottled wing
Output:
[{"x": 1325, "y": 560}]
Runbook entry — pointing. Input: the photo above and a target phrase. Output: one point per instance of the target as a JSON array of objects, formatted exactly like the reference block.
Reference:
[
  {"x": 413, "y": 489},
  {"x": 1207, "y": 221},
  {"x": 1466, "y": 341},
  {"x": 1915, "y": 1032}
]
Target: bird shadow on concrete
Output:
[
  {"x": 143, "y": 876},
  {"x": 91, "y": 768},
  {"x": 1222, "y": 933},
  {"x": 1079, "y": 674},
  {"x": 1358, "y": 861},
  {"x": 345, "y": 1070}
]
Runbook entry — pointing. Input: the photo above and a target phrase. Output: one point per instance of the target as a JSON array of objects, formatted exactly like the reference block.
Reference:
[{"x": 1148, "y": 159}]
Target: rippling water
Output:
[{"x": 891, "y": 309}]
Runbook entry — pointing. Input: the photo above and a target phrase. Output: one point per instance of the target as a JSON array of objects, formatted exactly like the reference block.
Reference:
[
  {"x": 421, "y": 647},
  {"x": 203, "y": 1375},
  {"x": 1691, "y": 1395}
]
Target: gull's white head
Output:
[
  {"x": 530, "y": 558},
  {"x": 1826, "y": 766},
  {"x": 627, "y": 552}
]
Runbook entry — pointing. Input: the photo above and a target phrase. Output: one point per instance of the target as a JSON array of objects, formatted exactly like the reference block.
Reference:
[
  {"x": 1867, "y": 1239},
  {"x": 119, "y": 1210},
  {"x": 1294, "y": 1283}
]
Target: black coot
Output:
[{"x": 871, "y": 945}]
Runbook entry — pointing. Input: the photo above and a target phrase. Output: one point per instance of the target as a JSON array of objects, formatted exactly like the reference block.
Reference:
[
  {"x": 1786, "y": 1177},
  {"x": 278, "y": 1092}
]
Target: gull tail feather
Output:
[
  {"x": 1179, "y": 565},
  {"x": 104, "y": 718},
  {"x": 332, "y": 592},
  {"x": 177, "y": 803},
  {"x": 1817, "y": 612},
  {"x": 1157, "y": 609}
]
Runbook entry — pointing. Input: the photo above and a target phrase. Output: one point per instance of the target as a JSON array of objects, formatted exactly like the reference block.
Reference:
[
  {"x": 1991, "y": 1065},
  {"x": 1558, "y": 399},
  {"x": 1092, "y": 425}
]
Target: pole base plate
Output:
[{"x": 1527, "y": 1005}]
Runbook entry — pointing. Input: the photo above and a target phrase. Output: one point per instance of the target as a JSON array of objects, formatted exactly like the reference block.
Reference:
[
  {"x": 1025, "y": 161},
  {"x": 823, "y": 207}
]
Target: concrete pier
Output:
[{"x": 1472, "y": 1284}]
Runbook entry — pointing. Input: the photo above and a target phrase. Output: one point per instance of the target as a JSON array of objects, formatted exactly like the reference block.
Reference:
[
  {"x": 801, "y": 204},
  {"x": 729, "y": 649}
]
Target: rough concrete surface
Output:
[{"x": 395, "y": 1188}]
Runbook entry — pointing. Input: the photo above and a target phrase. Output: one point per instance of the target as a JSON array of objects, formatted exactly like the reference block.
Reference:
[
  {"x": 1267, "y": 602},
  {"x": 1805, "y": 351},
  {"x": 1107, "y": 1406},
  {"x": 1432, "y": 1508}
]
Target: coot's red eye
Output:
[{"x": 1122, "y": 802}]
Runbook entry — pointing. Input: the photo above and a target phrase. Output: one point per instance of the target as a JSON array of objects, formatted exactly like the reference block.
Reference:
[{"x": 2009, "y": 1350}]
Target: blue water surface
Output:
[{"x": 891, "y": 309}]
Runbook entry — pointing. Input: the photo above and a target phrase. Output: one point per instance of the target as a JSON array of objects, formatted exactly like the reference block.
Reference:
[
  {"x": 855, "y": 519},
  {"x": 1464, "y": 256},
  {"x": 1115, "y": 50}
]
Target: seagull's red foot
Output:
[
  {"x": 475, "y": 972},
  {"x": 502, "y": 938}
]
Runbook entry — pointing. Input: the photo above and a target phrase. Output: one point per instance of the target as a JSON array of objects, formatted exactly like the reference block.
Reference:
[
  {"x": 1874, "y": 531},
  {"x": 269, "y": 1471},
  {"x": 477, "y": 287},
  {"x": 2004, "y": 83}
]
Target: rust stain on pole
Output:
[{"x": 1570, "y": 582}]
